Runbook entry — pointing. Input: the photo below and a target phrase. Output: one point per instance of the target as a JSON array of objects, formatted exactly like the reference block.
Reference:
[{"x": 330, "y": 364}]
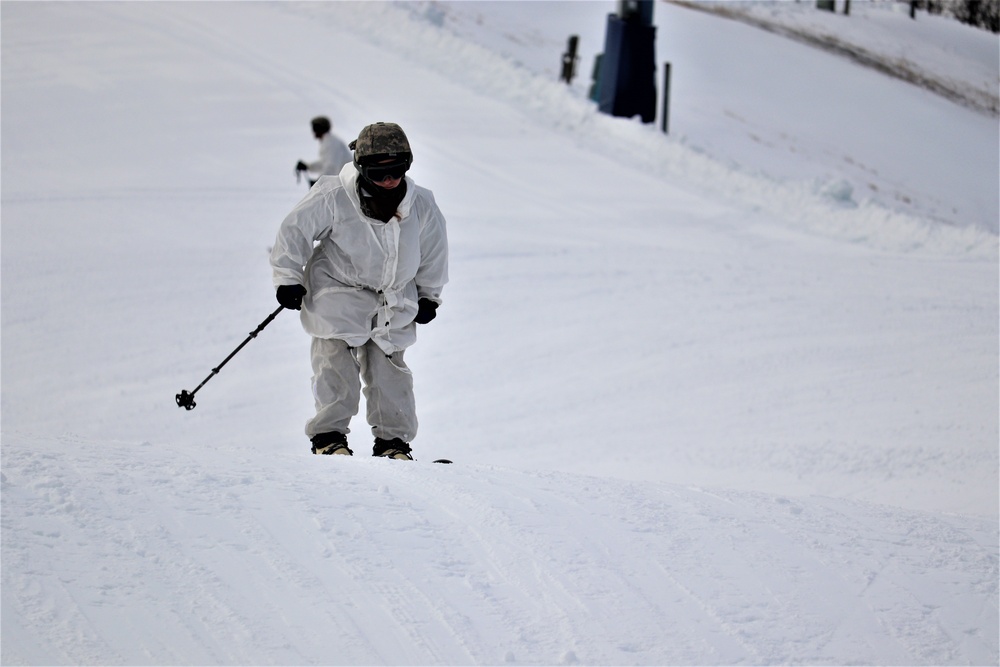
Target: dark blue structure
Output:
[{"x": 628, "y": 66}]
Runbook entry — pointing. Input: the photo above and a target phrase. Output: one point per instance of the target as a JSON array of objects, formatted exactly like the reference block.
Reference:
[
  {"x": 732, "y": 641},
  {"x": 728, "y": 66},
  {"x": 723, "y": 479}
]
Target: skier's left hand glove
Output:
[
  {"x": 301, "y": 166},
  {"x": 426, "y": 311}
]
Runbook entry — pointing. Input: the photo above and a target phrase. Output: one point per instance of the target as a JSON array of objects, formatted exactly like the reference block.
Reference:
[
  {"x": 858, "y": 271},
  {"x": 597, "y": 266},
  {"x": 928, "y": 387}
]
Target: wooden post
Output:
[{"x": 569, "y": 59}]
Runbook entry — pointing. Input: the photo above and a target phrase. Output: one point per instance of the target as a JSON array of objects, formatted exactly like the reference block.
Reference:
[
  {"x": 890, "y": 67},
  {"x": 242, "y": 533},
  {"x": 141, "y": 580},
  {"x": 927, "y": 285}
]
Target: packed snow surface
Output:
[{"x": 723, "y": 396}]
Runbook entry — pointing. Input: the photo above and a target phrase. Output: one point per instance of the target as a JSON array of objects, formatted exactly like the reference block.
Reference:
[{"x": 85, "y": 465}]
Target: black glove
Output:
[
  {"x": 426, "y": 311},
  {"x": 290, "y": 296},
  {"x": 301, "y": 166}
]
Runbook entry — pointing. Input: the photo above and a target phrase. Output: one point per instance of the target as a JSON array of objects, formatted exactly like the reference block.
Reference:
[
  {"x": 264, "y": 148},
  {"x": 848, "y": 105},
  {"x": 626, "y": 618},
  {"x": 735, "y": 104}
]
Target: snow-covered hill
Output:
[
  {"x": 724, "y": 397},
  {"x": 935, "y": 52}
]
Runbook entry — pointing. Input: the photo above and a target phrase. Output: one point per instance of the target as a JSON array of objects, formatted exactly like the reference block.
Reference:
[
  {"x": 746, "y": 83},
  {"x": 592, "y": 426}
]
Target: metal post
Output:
[{"x": 666, "y": 96}]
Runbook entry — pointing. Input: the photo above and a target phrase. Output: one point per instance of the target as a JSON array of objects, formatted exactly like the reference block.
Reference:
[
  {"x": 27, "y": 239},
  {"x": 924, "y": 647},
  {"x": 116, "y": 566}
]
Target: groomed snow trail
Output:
[{"x": 133, "y": 554}]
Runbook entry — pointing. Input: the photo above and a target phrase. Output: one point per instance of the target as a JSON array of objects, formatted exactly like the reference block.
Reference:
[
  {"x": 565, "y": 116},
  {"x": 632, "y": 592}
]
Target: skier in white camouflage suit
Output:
[
  {"x": 377, "y": 272},
  {"x": 333, "y": 152}
]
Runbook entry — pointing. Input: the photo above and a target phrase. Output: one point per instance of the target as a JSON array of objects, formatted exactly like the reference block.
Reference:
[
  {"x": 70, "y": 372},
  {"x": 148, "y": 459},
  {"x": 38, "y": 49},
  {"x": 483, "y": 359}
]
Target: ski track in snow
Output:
[{"x": 468, "y": 564}]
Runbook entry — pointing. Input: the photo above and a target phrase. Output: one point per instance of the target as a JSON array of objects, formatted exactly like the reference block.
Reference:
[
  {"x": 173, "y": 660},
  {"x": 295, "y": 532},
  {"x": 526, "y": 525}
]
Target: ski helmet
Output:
[
  {"x": 381, "y": 140},
  {"x": 321, "y": 125}
]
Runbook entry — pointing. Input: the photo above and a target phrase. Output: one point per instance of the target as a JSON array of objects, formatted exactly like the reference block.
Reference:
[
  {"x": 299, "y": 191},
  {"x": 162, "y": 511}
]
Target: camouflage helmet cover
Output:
[{"x": 380, "y": 139}]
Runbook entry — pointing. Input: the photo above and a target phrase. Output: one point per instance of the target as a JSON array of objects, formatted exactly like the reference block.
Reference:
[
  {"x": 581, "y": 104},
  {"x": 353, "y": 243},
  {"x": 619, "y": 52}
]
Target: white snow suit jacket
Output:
[
  {"x": 333, "y": 155},
  {"x": 365, "y": 276}
]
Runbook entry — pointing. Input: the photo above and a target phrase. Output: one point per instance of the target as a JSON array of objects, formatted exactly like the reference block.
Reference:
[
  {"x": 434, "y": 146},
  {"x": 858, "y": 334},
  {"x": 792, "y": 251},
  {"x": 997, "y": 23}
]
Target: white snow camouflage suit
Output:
[
  {"x": 333, "y": 155},
  {"x": 363, "y": 281}
]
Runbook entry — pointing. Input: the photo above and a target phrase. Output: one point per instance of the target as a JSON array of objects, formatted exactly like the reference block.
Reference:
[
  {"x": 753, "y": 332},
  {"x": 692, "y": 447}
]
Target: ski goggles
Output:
[{"x": 378, "y": 172}]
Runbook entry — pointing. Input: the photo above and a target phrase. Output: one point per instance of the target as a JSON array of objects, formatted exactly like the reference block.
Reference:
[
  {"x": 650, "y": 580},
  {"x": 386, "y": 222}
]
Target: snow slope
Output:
[
  {"x": 932, "y": 51},
  {"x": 790, "y": 113},
  {"x": 172, "y": 558},
  {"x": 710, "y": 404}
]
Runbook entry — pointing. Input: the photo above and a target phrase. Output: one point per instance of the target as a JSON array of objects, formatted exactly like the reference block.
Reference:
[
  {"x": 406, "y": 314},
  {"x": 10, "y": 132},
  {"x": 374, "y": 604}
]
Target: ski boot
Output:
[
  {"x": 392, "y": 449},
  {"x": 333, "y": 442}
]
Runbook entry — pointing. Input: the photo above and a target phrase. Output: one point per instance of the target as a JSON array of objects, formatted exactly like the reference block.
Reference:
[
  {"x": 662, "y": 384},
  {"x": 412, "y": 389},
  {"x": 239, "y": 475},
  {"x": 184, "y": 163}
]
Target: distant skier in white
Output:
[
  {"x": 377, "y": 271},
  {"x": 333, "y": 152}
]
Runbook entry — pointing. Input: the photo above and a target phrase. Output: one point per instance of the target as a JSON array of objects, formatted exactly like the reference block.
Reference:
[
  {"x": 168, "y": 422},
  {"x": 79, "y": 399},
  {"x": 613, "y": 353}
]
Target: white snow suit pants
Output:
[{"x": 338, "y": 370}]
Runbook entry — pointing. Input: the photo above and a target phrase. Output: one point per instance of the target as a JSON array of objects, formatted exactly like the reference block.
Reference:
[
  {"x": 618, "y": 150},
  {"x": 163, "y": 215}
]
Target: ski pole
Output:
[{"x": 185, "y": 399}]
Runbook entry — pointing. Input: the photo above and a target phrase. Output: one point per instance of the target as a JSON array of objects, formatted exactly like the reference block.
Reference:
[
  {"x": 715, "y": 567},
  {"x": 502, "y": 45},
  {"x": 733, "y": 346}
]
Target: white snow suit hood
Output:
[{"x": 365, "y": 276}]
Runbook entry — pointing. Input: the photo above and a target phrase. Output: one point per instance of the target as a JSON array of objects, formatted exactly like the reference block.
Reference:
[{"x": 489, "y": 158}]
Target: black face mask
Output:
[{"x": 378, "y": 202}]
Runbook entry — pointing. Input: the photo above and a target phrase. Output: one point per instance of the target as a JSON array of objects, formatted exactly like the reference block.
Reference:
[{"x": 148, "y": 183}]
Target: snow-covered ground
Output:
[
  {"x": 725, "y": 396},
  {"x": 932, "y": 51}
]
